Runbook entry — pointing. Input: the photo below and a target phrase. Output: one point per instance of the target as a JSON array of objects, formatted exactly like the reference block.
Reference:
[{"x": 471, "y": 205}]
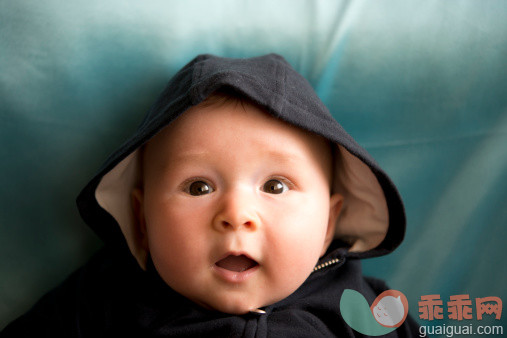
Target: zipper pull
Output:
[{"x": 258, "y": 311}]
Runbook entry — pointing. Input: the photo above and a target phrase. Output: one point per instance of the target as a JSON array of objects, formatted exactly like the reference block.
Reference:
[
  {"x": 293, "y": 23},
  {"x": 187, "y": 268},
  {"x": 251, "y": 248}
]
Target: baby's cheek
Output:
[
  {"x": 307, "y": 235},
  {"x": 293, "y": 255}
]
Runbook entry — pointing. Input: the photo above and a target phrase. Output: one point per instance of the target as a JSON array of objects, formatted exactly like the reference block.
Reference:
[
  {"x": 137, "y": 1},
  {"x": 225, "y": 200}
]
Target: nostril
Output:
[
  {"x": 230, "y": 225},
  {"x": 226, "y": 224}
]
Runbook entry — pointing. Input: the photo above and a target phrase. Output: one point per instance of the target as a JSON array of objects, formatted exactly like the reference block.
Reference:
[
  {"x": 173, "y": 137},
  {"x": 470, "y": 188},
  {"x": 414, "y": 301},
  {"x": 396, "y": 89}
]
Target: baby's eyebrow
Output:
[
  {"x": 279, "y": 155},
  {"x": 285, "y": 156},
  {"x": 193, "y": 155},
  {"x": 178, "y": 158}
]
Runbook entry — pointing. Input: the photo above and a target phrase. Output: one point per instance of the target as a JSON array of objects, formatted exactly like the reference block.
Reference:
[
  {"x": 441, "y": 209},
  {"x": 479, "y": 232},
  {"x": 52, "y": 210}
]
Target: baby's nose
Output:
[{"x": 237, "y": 211}]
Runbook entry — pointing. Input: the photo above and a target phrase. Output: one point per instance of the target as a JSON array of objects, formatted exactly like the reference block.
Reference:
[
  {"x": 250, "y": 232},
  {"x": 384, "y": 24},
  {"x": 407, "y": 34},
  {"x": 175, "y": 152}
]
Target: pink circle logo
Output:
[{"x": 390, "y": 308}]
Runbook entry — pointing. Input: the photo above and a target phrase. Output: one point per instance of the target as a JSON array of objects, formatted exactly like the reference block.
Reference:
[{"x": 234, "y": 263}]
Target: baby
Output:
[
  {"x": 240, "y": 207},
  {"x": 235, "y": 207}
]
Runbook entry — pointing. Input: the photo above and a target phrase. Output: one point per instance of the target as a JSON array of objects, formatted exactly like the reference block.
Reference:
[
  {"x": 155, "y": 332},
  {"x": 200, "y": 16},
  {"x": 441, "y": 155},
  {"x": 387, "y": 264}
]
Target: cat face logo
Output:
[
  {"x": 387, "y": 312},
  {"x": 390, "y": 308}
]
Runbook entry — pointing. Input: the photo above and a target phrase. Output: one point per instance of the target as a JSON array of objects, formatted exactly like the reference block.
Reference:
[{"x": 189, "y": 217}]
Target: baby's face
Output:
[{"x": 235, "y": 207}]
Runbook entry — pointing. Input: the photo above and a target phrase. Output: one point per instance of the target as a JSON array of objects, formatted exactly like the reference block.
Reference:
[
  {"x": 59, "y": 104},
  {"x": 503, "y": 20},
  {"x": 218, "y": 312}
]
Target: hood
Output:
[{"x": 372, "y": 221}]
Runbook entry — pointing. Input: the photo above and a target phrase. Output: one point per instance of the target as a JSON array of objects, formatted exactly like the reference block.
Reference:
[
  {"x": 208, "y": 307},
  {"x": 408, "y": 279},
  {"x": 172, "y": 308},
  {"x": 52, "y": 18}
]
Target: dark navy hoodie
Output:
[{"x": 119, "y": 292}]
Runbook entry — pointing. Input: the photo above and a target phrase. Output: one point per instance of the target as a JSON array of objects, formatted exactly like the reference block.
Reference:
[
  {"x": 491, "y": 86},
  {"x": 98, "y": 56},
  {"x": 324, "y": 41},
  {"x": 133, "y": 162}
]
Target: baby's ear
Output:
[
  {"x": 335, "y": 207},
  {"x": 137, "y": 197}
]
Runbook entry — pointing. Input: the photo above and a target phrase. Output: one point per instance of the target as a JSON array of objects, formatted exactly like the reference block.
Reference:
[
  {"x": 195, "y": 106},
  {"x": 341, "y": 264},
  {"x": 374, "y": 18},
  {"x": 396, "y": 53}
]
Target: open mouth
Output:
[{"x": 236, "y": 263}]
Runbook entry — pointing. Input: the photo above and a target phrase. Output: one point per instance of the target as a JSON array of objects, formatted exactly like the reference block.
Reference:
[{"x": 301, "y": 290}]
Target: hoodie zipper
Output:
[{"x": 326, "y": 264}]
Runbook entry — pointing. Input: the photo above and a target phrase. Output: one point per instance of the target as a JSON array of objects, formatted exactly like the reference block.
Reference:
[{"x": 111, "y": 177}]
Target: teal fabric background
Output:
[{"x": 421, "y": 84}]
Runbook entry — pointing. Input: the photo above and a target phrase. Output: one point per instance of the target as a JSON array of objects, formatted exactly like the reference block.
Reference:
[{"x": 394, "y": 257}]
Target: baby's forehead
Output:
[
  {"x": 234, "y": 115},
  {"x": 221, "y": 123}
]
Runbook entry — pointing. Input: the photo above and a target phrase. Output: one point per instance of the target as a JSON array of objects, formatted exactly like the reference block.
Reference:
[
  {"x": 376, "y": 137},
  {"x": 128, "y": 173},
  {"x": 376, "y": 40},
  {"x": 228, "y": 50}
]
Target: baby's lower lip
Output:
[
  {"x": 231, "y": 276},
  {"x": 235, "y": 267}
]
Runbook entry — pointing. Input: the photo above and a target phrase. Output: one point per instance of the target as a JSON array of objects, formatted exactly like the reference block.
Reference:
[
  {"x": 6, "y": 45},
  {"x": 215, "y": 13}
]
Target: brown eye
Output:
[
  {"x": 199, "y": 188},
  {"x": 274, "y": 187}
]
